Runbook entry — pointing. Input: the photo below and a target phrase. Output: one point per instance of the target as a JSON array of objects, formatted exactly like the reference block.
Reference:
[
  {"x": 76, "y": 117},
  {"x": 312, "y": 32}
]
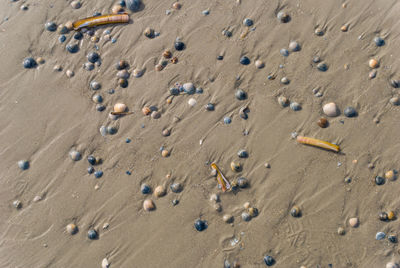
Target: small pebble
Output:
[
  {"x": 330, "y": 109},
  {"x": 246, "y": 216},
  {"x": 322, "y": 67},
  {"x": 75, "y": 4},
  {"x": 347, "y": 180},
  {"x": 380, "y": 235},
  {"x": 253, "y": 212},
  {"x": 72, "y": 229},
  {"x": 205, "y": 12},
  {"x": 92, "y": 160},
  {"x": 379, "y": 180},
  {"x": 227, "y": 218},
  {"x": 122, "y": 64},
  {"x": 354, "y": 222},
  {"x": 24, "y": 7},
  {"x": 37, "y": 198},
  {"x": 95, "y": 85},
  {"x": 69, "y": 73},
  {"x": 244, "y": 60},
  {"x": 285, "y": 80},
  {"x": 246, "y": 205},
  {"x": 148, "y": 205},
  {"x": 269, "y": 261},
  {"x": 350, "y": 112},
  {"x": 92, "y": 234},
  {"x": 23, "y": 164},
  {"x": 159, "y": 191},
  {"x": 75, "y": 155},
  {"x": 155, "y": 114},
  {"x": 294, "y": 46},
  {"x": 62, "y": 38}
]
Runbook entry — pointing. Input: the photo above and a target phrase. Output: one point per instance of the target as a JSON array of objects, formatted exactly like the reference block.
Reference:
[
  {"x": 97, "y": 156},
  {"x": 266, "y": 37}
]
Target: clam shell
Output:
[{"x": 120, "y": 107}]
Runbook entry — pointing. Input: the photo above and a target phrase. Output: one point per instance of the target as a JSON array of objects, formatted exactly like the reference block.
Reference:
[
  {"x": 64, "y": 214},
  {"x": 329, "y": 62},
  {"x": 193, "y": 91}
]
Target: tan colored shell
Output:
[{"x": 119, "y": 107}]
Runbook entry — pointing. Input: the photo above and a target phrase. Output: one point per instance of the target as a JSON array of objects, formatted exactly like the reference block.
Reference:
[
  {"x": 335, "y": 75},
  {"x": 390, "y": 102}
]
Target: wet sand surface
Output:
[{"x": 45, "y": 115}]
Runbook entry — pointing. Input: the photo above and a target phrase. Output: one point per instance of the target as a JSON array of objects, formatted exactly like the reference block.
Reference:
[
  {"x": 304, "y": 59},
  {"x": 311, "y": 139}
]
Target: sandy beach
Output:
[{"x": 230, "y": 82}]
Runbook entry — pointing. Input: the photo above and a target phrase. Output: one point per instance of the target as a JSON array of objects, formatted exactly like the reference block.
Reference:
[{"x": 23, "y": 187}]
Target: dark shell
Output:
[
  {"x": 90, "y": 170},
  {"x": 50, "y": 26},
  {"x": 295, "y": 212},
  {"x": 78, "y": 36},
  {"x": 383, "y": 216},
  {"x": 350, "y": 112},
  {"x": 174, "y": 91},
  {"x": 123, "y": 83},
  {"x": 176, "y": 187},
  {"x": 323, "y": 122},
  {"x": 283, "y": 17},
  {"x": 62, "y": 38},
  {"x": 122, "y": 64},
  {"x": 269, "y": 261},
  {"x": 242, "y": 182},
  {"x": 240, "y": 94},
  {"x": 133, "y": 5},
  {"x": 243, "y": 113},
  {"x": 210, "y": 107},
  {"x": 392, "y": 239},
  {"x": 179, "y": 46},
  {"x": 220, "y": 57},
  {"x": 145, "y": 189},
  {"x": 243, "y": 154},
  {"x": 248, "y": 22},
  {"x": 284, "y": 52},
  {"x": 379, "y": 41},
  {"x": 29, "y": 63},
  {"x": 91, "y": 159},
  {"x": 72, "y": 48},
  {"x": 112, "y": 130},
  {"x": 316, "y": 59},
  {"x": 98, "y": 174},
  {"x": 395, "y": 83},
  {"x": 93, "y": 57},
  {"x": 244, "y": 60},
  {"x": 100, "y": 107},
  {"x": 379, "y": 180},
  {"x": 92, "y": 234},
  {"x": 246, "y": 216},
  {"x": 200, "y": 225},
  {"x": 23, "y": 165},
  {"x": 322, "y": 67}
]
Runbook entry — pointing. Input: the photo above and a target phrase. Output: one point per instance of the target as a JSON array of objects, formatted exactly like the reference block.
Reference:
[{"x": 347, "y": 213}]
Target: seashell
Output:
[
  {"x": 75, "y": 155},
  {"x": 284, "y": 52},
  {"x": 259, "y": 64},
  {"x": 174, "y": 60},
  {"x": 341, "y": 231},
  {"x": 93, "y": 57},
  {"x": 354, "y": 222},
  {"x": 390, "y": 175},
  {"x": 294, "y": 46},
  {"x": 124, "y": 74},
  {"x": 145, "y": 189},
  {"x": 29, "y": 63},
  {"x": 200, "y": 225},
  {"x": 227, "y": 120},
  {"x": 88, "y": 66},
  {"x": 112, "y": 130},
  {"x": 295, "y": 212},
  {"x": 379, "y": 41},
  {"x": 105, "y": 263},
  {"x": 176, "y": 5},
  {"x": 148, "y": 205},
  {"x": 323, "y": 122},
  {"x": 189, "y": 88},
  {"x": 69, "y": 25},
  {"x": 122, "y": 64},
  {"x": 123, "y": 82},
  {"x": 322, "y": 67},
  {"x": 50, "y": 26},
  {"x": 295, "y": 106},
  {"x": 283, "y": 17},
  {"x": 350, "y": 112},
  {"x": 240, "y": 94},
  {"x": 155, "y": 115},
  {"x": 285, "y": 80},
  {"x": 380, "y": 235},
  {"x": 148, "y": 32},
  {"x": 167, "y": 54},
  {"x": 159, "y": 191},
  {"x": 372, "y": 74},
  {"x": 179, "y": 45},
  {"x": 392, "y": 239},
  {"x": 133, "y": 5},
  {"x": 319, "y": 32},
  {"x": 146, "y": 110},
  {"x": 283, "y": 101},
  {"x": 379, "y": 180},
  {"x": 92, "y": 234},
  {"x": 244, "y": 60},
  {"x": 391, "y": 215},
  {"x": 159, "y": 67},
  {"x": 228, "y": 218},
  {"x": 69, "y": 73},
  {"x": 75, "y": 4},
  {"x": 97, "y": 98},
  {"x": 17, "y": 204},
  {"x": 164, "y": 153},
  {"x": 166, "y": 132},
  {"x": 217, "y": 207},
  {"x": 117, "y": 9},
  {"x": 210, "y": 107},
  {"x": 72, "y": 48},
  {"x": 235, "y": 166},
  {"x": 72, "y": 229},
  {"x": 383, "y": 216},
  {"x": 214, "y": 197},
  {"x": 120, "y": 107},
  {"x": 176, "y": 187},
  {"x": 137, "y": 73},
  {"x": 95, "y": 85},
  {"x": 373, "y": 63},
  {"x": 243, "y": 154},
  {"x": 23, "y": 164},
  {"x": 395, "y": 83},
  {"x": 248, "y": 22},
  {"x": 344, "y": 28},
  {"x": 246, "y": 216},
  {"x": 98, "y": 174},
  {"x": 243, "y": 112},
  {"x": 330, "y": 109},
  {"x": 242, "y": 182},
  {"x": 253, "y": 212},
  {"x": 192, "y": 102}
]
